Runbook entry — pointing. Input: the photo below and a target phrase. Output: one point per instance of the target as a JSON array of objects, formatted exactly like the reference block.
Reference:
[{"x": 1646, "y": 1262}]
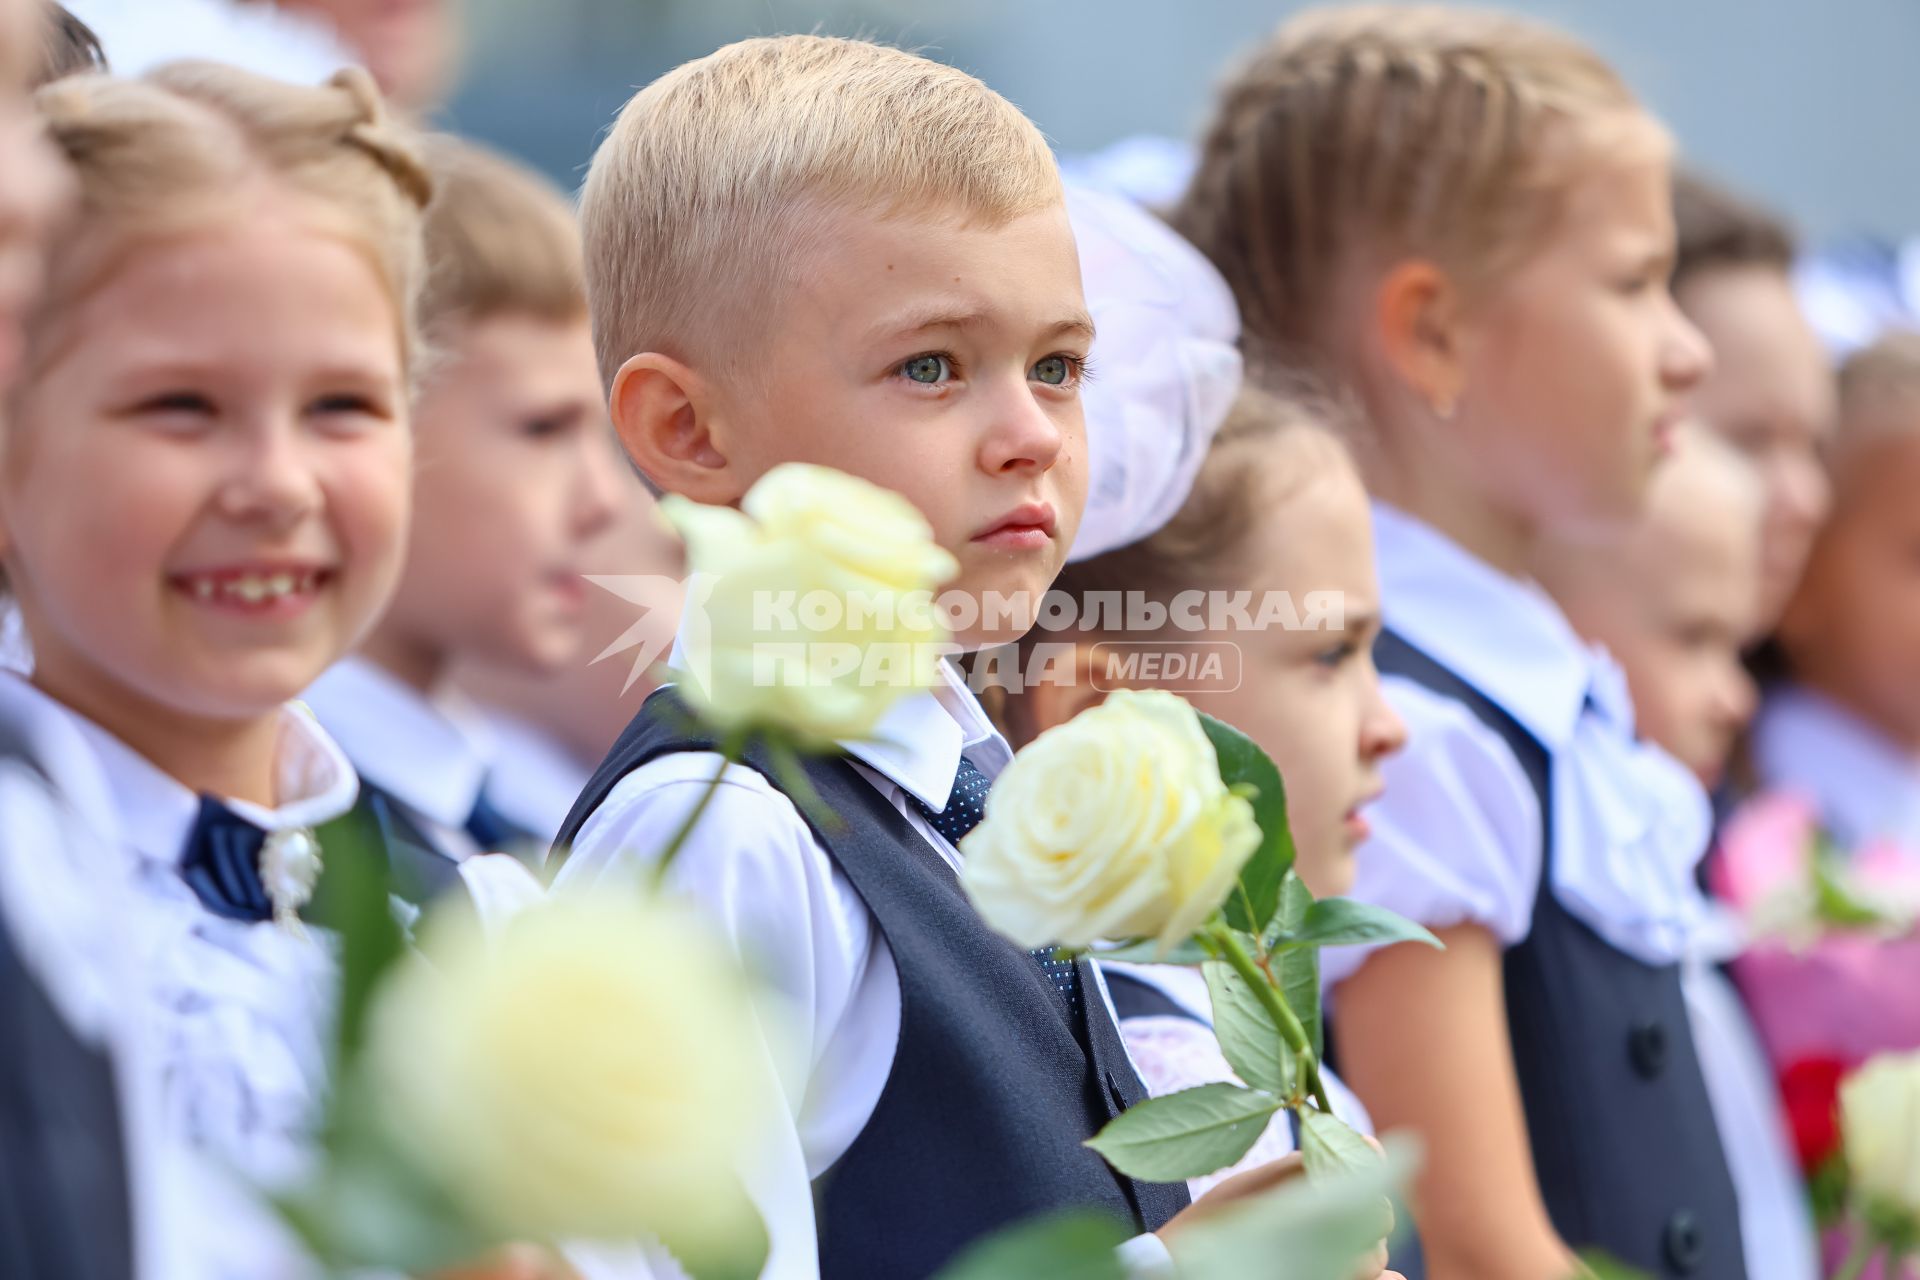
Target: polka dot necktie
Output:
[{"x": 965, "y": 807}]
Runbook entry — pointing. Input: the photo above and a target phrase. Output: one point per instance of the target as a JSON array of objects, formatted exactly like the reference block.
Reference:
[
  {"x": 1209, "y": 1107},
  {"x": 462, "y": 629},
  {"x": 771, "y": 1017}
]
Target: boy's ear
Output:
[
  {"x": 663, "y": 412},
  {"x": 1053, "y": 702},
  {"x": 1418, "y": 317}
]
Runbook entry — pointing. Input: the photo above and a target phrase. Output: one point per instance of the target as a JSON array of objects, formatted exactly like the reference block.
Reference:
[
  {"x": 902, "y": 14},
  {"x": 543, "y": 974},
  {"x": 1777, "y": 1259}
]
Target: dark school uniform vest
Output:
[
  {"x": 981, "y": 1120},
  {"x": 65, "y": 1206},
  {"x": 1624, "y": 1140}
]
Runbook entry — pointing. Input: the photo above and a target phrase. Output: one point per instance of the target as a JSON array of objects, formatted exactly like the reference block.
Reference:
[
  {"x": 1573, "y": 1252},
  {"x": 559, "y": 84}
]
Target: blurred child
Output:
[
  {"x": 1847, "y": 728},
  {"x": 824, "y": 250},
  {"x": 1770, "y": 391},
  {"x": 202, "y": 508},
  {"x": 1824, "y": 858},
  {"x": 71, "y": 1190},
  {"x": 412, "y": 47},
  {"x": 1467, "y": 218},
  {"x": 556, "y": 726},
  {"x": 515, "y": 477},
  {"x": 1674, "y": 602},
  {"x": 1277, "y": 508}
]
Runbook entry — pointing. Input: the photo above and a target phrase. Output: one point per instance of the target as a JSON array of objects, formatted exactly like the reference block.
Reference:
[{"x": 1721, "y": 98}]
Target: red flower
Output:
[{"x": 1810, "y": 1088}]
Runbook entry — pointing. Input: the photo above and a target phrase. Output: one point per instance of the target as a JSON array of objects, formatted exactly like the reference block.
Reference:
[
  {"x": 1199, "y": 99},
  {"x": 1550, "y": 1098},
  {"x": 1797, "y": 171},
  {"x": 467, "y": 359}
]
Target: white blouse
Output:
[{"x": 1457, "y": 833}]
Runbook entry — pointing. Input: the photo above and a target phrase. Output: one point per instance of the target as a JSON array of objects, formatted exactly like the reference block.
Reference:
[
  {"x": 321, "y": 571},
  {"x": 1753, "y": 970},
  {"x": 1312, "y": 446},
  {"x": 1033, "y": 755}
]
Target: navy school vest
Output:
[
  {"x": 981, "y": 1122},
  {"x": 1624, "y": 1140},
  {"x": 65, "y": 1206}
]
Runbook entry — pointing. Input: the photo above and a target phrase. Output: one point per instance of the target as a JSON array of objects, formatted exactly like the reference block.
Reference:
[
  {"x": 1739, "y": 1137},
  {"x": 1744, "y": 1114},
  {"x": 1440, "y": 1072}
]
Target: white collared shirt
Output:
[
  {"x": 218, "y": 1025},
  {"x": 427, "y": 753},
  {"x": 1864, "y": 787},
  {"x": 1457, "y": 835},
  {"x": 777, "y": 896}
]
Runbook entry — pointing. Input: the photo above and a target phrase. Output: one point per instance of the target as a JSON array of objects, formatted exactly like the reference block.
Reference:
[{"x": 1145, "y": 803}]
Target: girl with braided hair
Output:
[{"x": 1465, "y": 218}]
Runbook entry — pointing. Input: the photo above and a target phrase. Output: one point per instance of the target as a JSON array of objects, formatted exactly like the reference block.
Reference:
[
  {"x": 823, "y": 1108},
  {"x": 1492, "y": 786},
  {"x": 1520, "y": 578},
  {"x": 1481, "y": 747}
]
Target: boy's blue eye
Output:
[
  {"x": 1054, "y": 371},
  {"x": 928, "y": 370}
]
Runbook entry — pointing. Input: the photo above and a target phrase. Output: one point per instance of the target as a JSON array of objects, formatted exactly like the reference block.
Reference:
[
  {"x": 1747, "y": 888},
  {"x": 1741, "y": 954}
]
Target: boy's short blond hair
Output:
[
  {"x": 500, "y": 239},
  {"x": 716, "y": 175}
]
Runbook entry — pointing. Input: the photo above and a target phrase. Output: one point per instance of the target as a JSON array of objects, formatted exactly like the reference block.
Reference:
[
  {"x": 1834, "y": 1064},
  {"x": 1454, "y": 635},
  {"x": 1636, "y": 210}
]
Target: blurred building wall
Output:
[{"x": 1810, "y": 104}]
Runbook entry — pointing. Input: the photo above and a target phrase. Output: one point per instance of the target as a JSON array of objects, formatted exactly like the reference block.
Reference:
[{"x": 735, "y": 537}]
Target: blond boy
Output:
[{"x": 823, "y": 250}]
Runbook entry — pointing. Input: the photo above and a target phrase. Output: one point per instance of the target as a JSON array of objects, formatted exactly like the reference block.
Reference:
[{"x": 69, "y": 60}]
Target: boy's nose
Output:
[
  {"x": 1024, "y": 435},
  {"x": 1382, "y": 732},
  {"x": 605, "y": 485}
]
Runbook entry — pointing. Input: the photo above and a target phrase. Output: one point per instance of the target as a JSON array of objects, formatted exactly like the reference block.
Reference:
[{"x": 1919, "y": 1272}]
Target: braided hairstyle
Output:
[
  {"x": 1369, "y": 134},
  {"x": 164, "y": 153}
]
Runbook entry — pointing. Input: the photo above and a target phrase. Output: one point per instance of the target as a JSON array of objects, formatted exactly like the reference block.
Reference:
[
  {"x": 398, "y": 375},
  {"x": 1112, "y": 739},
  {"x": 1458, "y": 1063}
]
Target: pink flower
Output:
[{"x": 1764, "y": 850}]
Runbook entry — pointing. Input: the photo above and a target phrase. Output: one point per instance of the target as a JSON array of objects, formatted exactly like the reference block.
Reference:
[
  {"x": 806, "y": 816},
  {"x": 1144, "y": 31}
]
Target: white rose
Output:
[
  {"x": 584, "y": 1074},
  {"x": 1880, "y": 1126},
  {"x": 813, "y": 608},
  {"x": 1114, "y": 825}
]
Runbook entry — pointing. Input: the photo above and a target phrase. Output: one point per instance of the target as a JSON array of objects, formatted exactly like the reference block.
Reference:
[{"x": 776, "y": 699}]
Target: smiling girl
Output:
[{"x": 203, "y": 496}]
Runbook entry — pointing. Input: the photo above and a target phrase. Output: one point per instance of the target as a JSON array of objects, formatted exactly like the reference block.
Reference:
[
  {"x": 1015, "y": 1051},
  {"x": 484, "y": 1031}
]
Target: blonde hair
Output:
[
  {"x": 1378, "y": 130},
  {"x": 716, "y": 175},
  {"x": 500, "y": 238},
  {"x": 158, "y": 155}
]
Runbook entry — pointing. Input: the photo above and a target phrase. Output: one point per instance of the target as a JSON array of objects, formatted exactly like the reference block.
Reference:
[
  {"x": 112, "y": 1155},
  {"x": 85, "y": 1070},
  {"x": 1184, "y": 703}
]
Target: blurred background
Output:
[{"x": 1805, "y": 103}]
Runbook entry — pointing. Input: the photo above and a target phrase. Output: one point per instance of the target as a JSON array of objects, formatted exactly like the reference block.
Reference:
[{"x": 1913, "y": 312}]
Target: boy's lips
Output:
[
  {"x": 1028, "y": 526},
  {"x": 261, "y": 588}
]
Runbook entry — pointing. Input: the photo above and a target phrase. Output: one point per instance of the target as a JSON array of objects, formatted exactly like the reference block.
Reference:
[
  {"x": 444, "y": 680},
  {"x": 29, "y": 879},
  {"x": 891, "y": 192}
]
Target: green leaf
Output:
[
  {"x": 1188, "y": 953},
  {"x": 1330, "y": 1148},
  {"x": 1187, "y": 1134},
  {"x": 1298, "y": 971},
  {"x": 369, "y": 1205},
  {"x": 1602, "y": 1267},
  {"x": 1833, "y": 902},
  {"x": 1252, "y": 903},
  {"x": 1070, "y": 1246},
  {"x": 1315, "y": 1228},
  {"x": 1247, "y": 1035},
  {"x": 1343, "y": 922},
  {"x": 354, "y": 898},
  {"x": 738, "y": 1253}
]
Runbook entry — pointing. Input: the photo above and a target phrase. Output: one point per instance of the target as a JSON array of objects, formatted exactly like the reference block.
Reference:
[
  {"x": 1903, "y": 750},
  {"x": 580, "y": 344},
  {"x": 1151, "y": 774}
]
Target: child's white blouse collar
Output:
[
  {"x": 156, "y": 812},
  {"x": 1505, "y": 636}
]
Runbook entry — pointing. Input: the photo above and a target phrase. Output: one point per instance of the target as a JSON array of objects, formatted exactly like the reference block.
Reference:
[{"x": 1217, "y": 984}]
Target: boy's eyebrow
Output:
[{"x": 942, "y": 316}]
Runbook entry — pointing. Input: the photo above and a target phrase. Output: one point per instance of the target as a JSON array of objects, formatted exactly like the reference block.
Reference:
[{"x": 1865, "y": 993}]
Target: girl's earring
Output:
[{"x": 1444, "y": 405}]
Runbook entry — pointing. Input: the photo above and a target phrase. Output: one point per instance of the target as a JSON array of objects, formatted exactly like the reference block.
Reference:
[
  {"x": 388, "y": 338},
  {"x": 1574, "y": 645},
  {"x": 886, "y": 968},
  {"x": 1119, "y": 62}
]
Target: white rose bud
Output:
[
  {"x": 584, "y": 1074},
  {"x": 1114, "y": 825},
  {"x": 1880, "y": 1126},
  {"x": 820, "y": 610}
]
